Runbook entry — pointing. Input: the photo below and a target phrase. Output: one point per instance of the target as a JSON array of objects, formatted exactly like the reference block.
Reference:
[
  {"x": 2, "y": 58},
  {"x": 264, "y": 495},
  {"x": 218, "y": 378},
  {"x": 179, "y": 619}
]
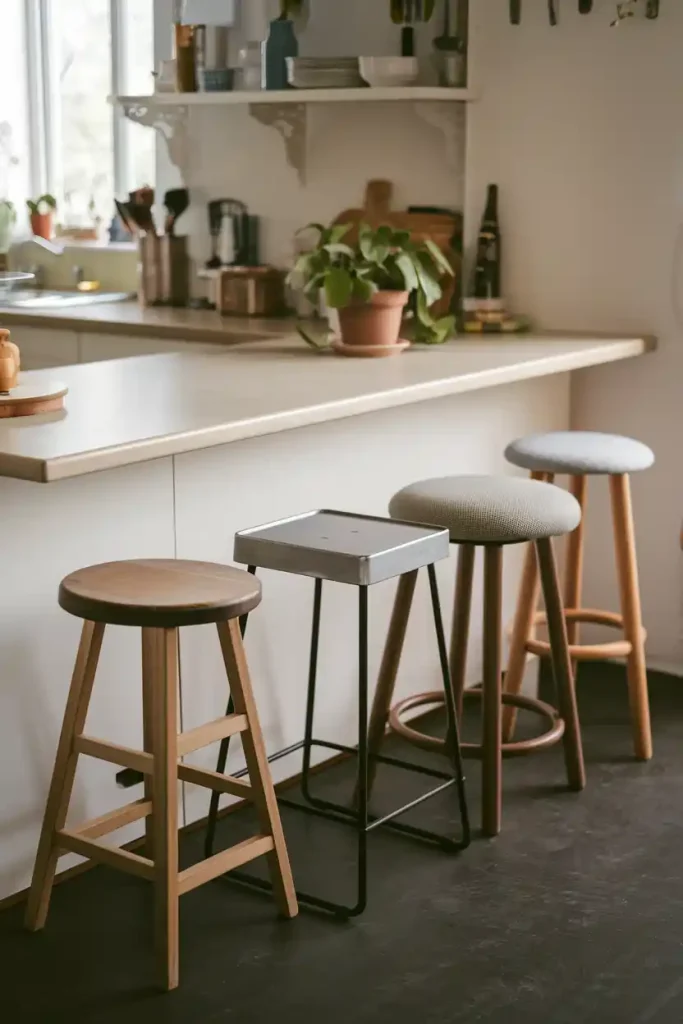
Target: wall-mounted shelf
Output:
[
  {"x": 413, "y": 93},
  {"x": 286, "y": 111}
]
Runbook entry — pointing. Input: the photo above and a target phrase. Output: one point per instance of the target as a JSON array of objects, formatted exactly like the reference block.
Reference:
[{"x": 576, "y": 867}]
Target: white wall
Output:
[
  {"x": 234, "y": 156},
  {"x": 582, "y": 125}
]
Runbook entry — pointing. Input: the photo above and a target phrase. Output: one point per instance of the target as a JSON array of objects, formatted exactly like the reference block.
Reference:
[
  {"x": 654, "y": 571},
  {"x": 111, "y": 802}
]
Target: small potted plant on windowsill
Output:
[
  {"x": 374, "y": 284},
  {"x": 41, "y": 213}
]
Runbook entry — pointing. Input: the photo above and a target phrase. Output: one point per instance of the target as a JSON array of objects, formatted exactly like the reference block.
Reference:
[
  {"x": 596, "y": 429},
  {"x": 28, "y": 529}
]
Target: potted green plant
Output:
[
  {"x": 41, "y": 212},
  {"x": 374, "y": 284}
]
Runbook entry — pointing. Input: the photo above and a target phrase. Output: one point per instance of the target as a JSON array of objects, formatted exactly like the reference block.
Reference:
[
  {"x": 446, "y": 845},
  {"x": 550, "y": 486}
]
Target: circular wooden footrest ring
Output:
[
  {"x": 518, "y": 748},
  {"x": 586, "y": 652}
]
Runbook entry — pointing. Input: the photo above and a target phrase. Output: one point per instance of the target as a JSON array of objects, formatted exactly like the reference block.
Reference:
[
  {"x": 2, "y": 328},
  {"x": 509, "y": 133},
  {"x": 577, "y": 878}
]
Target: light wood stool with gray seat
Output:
[
  {"x": 159, "y": 596},
  {"x": 581, "y": 454},
  {"x": 488, "y": 512}
]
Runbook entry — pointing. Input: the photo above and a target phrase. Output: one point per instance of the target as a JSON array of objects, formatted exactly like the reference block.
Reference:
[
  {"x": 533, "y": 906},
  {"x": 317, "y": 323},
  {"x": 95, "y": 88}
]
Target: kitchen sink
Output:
[{"x": 34, "y": 299}]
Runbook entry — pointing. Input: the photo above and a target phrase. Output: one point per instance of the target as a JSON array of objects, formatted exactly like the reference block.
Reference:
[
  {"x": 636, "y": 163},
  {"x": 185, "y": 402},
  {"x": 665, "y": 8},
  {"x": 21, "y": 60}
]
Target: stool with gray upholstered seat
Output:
[
  {"x": 581, "y": 454},
  {"x": 488, "y": 512}
]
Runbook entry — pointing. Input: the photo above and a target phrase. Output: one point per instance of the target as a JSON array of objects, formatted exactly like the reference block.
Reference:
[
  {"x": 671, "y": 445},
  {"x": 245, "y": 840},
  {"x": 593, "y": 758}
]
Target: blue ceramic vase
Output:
[{"x": 281, "y": 44}]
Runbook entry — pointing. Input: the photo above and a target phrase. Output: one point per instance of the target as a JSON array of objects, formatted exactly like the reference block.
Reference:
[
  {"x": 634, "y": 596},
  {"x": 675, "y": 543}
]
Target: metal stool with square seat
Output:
[
  {"x": 360, "y": 551},
  {"x": 488, "y": 512},
  {"x": 581, "y": 454},
  {"x": 159, "y": 596}
]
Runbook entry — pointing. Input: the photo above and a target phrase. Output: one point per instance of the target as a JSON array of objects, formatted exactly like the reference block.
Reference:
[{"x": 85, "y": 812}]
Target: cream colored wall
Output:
[{"x": 581, "y": 126}]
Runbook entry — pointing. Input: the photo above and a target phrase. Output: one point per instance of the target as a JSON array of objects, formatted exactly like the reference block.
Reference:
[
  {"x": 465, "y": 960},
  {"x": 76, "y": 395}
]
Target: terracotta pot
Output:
[
  {"x": 41, "y": 225},
  {"x": 377, "y": 322}
]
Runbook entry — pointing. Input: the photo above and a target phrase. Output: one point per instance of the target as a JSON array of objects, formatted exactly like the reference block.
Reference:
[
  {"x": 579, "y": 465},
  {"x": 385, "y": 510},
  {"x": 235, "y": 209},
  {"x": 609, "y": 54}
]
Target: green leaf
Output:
[
  {"x": 400, "y": 239},
  {"x": 339, "y": 231},
  {"x": 363, "y": 289},
  {"x": 339, "y": 249},
  {"x": 407, "y": 268},
  {"x": 317, "y": 341},
  {"x": 320, "y": 228},
  {"x": 384, "y": 235},
  {"x": 338, "y": 287},
  {"x": 429, "y": 286},
  {"x": 438, "y": 257}
]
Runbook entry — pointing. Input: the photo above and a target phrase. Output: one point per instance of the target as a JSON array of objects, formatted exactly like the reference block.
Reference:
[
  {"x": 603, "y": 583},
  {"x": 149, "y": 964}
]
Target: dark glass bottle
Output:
[{"x": 487, "y": 271}]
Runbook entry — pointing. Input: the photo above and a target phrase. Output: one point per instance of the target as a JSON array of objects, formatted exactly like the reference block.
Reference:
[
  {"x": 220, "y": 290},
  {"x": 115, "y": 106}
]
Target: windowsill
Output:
[{"x": 58, "y": 246}]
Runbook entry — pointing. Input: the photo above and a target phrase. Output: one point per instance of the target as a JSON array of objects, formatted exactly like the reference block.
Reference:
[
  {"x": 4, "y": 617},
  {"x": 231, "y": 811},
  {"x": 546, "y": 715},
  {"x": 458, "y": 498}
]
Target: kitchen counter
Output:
[
  {"x": 132, "y": 410},
  {"x": 130, "y": 318}
]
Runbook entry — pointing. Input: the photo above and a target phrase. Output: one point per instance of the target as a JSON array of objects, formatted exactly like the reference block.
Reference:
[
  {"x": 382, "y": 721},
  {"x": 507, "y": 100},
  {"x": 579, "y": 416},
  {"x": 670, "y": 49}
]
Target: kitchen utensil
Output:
[
  {"x": 176, "y": 202},
  {"x": 142, "y": 217},
  {"x": 442, "y": 229},
  {"x": 448, "y": 42},
  {"x": 418, "y": 10},
  {"x": 652, "y": 10},
  {"x": 585, "y": 6},
  {"x": 396, "y": 10},
  {"x": 407, "y": 41},
  {"x": 387, "y": 72},
  {"x": 552, "y": 11},
  {"x": 125, "y": 217},
  {"x": 144, "y": 196},
  {"x": 515, "y": 12},
  {"x": 228, "y": 225},
  {"x": 251, "y": 291}
]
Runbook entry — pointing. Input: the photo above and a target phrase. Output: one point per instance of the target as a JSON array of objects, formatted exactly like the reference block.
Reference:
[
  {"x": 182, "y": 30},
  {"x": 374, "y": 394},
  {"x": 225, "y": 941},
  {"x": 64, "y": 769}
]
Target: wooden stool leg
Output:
[
  {"x": 523, "y": 628},
  {"x": 63, "y": 774},
  {"x": 562, "y": 668},
  {"x": 148, "y": 711},
  {"x": 491, "y": 754},
  {"x": 257, "y": 765},
  {"x": 161, "y": 670},
  {"x": 573, "y": 576},
  {"x": 391, "y": 658},
  {"x": 627, "y": 570},
  {"x": 461, "y": 622}
]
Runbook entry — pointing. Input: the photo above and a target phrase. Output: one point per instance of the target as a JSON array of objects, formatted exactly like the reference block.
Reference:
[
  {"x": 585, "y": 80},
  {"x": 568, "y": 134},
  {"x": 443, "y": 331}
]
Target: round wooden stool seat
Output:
[{"x": 159, "y": 593}]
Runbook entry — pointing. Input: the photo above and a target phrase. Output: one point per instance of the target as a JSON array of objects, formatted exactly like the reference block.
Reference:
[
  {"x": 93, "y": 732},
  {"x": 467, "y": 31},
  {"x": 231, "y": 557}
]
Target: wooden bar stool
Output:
[
  {"x": 159, "y": 596},
  {"x": 488, "y": 512},
  {"x": 582, "y": 454}
]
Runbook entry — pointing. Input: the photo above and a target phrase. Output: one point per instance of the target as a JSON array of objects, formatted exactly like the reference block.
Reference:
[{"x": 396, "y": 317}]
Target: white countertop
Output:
[{"x": 133, "y": 410}]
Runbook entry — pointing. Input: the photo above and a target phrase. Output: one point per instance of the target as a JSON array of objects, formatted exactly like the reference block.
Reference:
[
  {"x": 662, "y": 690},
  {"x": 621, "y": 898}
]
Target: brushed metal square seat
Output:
[{"x": 342, "y": 547}]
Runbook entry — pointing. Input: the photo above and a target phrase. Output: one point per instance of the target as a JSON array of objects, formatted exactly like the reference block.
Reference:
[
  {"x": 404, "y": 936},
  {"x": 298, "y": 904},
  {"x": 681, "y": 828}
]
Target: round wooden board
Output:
[{"x": 32, "y": 399}]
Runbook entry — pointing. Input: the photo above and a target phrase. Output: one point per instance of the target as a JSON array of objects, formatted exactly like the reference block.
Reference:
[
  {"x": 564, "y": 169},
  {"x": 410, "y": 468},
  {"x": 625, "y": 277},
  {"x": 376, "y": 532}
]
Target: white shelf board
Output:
[{"x": 413, "y": 93}]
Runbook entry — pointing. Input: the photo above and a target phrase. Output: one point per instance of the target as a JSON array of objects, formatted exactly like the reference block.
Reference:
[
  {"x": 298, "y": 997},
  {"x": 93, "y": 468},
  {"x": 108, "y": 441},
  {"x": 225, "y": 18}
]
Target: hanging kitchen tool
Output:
[
  {"x": 552, "y": 11},
  {"x": 652, "y": 10},
  {"x": 448, "y": 42},
  {"x": 396, "y": 10},
  {"x": 515, "y": 12},
  {"x": 408, "y": 32},
  {"x": 176, "y": 201},
  {"x": 585, "y": 6}
]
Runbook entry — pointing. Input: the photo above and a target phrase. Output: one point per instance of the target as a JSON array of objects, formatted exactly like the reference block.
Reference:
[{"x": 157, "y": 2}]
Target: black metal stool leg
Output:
[
  {"x": 453, "y": 741},
  {"x": 212, "y": 818},
  {"x": 310, "y": 697},
  {"x": 362, "y": 784}
]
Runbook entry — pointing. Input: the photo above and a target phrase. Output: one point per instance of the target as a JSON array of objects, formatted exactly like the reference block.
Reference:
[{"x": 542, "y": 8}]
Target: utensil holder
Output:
[
  {"x": 150, "y": 289},
  {"x": 175, "y": 270}
]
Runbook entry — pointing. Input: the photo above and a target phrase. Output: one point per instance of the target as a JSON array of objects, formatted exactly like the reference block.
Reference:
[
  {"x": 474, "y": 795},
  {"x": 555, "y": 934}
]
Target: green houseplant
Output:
[
  {"x": 41, "y": 212},
  {"x": 372, "y": 282}
]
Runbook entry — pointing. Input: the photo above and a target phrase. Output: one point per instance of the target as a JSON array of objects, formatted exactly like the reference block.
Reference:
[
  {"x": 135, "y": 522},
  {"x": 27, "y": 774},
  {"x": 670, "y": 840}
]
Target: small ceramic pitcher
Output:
[{"x": 9, "y": 362}]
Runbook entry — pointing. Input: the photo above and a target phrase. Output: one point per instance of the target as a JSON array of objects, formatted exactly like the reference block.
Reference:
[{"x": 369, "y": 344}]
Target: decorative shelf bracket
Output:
[
  {"x": 171, "y": 125},
  {"x": 290, "y": 120},
  {"x": 449, "y": 120}
]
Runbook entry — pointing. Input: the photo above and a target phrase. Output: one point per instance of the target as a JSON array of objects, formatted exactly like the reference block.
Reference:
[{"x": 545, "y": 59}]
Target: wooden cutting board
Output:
[
  {"x": 33, "y": 399},
  {"x": 442, "y": 228}
]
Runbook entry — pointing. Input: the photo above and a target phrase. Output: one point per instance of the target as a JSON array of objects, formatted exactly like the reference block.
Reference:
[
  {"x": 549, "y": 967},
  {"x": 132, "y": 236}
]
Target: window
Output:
[{"x": 61, "y": 60}]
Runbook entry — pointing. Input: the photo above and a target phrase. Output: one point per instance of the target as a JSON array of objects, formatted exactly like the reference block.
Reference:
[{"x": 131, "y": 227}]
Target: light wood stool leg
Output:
[
  {"x": 161, "y": 671},
  {"x": 491, "y": 754},
  {"x": 523, "y": 628},
  {"x": 148, "y": 651},
  {"x": 573, "y": 576},
  {"x": 257, "y": 765},
  {"x": 460, "y": 629},
  {"x": 63, "y": 773},
  {"x": 627, "y": 570},
  {"x": 562, "y": 667},
  {"x": 391, "y": 659}
]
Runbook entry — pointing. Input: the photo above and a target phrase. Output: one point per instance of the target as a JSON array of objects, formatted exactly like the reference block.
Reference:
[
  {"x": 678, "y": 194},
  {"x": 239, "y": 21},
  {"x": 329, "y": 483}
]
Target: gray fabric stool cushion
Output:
[
  {"x": 489, "y": 509},
  {"x": 579, "y": 452}
]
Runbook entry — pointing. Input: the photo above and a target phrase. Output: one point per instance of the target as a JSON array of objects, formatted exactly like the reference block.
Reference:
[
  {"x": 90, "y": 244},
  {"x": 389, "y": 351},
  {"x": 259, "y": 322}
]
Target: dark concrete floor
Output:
[{"x": 574, "y": 914}]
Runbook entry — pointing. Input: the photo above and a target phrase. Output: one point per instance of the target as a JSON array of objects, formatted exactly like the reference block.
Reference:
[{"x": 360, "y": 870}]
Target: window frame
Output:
[{"x": 43, "y": 102}]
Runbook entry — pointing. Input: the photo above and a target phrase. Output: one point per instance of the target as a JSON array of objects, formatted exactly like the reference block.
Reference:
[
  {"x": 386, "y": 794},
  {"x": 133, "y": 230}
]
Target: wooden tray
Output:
[
  {"x": 440, "y": 227},
  {"x": 32, "y": 399}
]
